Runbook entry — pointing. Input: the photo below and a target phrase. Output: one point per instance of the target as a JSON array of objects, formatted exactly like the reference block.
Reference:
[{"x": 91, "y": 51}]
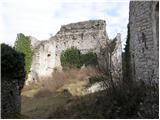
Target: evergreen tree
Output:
[{"x": 126, "y": 58}]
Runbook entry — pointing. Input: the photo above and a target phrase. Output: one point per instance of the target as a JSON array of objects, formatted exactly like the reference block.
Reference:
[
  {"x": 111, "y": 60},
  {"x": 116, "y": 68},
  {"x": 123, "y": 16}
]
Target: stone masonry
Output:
[
  {"x": 116, "y": 58},
  {"x": 87, "y": 36},
  {"x": 144, "y": 40}
]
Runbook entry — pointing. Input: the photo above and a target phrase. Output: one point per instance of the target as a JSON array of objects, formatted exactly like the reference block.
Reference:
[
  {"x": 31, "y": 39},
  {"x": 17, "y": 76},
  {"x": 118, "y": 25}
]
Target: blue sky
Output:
[{"x": 43, "y": 18}]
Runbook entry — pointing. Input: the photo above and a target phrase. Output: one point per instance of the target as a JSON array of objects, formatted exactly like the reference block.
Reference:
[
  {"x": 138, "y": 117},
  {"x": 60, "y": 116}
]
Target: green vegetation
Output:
[
  {"x": 89, "y": 58},
  {"x": 23, "y": 45},
  {"x": 73, "y": 58},
  {"x": 12, "y": 63},
  {"x": 126, "y": 59}
]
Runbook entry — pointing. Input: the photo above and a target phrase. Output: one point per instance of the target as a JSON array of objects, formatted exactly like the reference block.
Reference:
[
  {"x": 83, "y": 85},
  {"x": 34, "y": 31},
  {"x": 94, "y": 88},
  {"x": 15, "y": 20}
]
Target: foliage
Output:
[
  {"x": 126, "y": 59},
  {"x": 12, "y": 63},
  {"x": 23, "y": 45},
  {"x": 89, "y": 58},
  {"x": 73, "y": 58}
]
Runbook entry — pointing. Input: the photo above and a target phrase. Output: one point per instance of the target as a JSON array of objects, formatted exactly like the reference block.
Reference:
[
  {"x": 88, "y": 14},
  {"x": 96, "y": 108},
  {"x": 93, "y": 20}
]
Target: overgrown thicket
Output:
[
  {"x": 136, "y": 100},
  {"x": 23, "y": 45},
  {"x": 12, "y": 63},
  {"x": 72, "y": 57}
]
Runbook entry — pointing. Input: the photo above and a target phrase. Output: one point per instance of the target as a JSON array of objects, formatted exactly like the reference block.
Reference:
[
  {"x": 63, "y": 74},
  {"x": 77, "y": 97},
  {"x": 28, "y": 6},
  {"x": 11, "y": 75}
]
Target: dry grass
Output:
[
  {"x": 59, "y": 79},
  {"x": 52, "y": 84},
  {"x": 76, "y": 88},
  {"x": 42, "y": 93},
  {"x": 40, "y": 107},
  {"x": 30, "y": 87},
  {"x": 126, "y": 101},
  {"x": 42, "y": 98}
]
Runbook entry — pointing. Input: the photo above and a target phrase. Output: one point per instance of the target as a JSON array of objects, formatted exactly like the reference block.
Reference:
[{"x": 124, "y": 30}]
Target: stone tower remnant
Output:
[{"x": 144, "y": 40}]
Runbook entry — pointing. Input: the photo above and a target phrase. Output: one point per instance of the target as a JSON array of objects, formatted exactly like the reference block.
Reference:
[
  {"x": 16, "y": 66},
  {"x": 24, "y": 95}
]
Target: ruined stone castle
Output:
[
  {"x": 87, "y": 36},
  {"x": 144, "y": 40}
]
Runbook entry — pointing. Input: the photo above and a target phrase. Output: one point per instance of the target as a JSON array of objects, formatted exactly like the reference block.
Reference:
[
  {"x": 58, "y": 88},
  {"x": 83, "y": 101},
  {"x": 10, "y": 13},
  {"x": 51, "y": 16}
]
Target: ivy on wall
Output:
[{"x": 23, "y": 45}]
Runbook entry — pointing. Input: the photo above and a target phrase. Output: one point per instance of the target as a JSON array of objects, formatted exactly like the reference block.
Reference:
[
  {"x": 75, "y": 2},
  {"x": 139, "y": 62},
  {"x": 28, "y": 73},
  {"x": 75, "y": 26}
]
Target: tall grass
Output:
[{"x": 61, "y": 78}]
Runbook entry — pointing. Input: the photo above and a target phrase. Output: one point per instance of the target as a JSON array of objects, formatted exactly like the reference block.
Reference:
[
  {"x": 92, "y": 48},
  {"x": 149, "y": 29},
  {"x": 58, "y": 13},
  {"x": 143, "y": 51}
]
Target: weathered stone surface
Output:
[
  {"x": 34, "y": 42},
  {"x": 11, "y": 100},
  {"x": 116, "y": 58},
  {"x": 144, "y": 40},
  {"x": 87, "y": 36}
]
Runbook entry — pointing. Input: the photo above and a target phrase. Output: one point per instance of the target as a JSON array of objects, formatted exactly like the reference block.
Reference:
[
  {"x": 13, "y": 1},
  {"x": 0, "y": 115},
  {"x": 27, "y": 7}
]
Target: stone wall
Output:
[
  {"x": 116, "y": 58},
  {"x": 111, "y": 57},
  {"x": 43, "y": 60},
  {"x": 144, "y": 40},
  {"x": 11, "y": 100},
  {"x": 87, "y": 36}
]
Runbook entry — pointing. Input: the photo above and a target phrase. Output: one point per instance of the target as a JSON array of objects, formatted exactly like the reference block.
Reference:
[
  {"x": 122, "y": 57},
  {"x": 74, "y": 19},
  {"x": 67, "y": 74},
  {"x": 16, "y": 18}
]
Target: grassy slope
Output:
[
  {"x": 126, "y": 100},
  {"x": 43, "y": 98},
  {"x": 41, "y": 107},
  {"x": 39, "y": 103}
]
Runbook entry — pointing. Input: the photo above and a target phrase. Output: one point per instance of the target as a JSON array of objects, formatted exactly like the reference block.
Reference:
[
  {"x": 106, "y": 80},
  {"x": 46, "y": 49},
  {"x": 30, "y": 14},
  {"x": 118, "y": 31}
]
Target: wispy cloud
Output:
[{"x": 40, "y": 18}]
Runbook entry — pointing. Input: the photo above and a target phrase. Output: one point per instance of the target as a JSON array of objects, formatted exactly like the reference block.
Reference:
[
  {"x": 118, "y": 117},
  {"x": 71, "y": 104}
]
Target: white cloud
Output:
[
  {"x": 40, "y": 18},
  {"x": 1, "y": 24}
]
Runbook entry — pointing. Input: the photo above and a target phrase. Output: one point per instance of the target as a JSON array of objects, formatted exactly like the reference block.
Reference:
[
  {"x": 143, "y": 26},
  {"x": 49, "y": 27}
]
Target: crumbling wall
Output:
[
  {"x": 87, "y": 36},
  {"x": 116, "y": 58},
  {"x": 11, "y": 100},
  {"x": 144, "y": 40},
  {"x": 43, "y": 60}
]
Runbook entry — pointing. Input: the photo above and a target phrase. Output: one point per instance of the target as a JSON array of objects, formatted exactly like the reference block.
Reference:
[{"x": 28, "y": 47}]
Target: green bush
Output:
[
  {"x": 89, "y": 58},
  {"x": 12, "y": 63},
  {"x": 23, "y": 45},
  {"x": 73, "y": 58}
]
